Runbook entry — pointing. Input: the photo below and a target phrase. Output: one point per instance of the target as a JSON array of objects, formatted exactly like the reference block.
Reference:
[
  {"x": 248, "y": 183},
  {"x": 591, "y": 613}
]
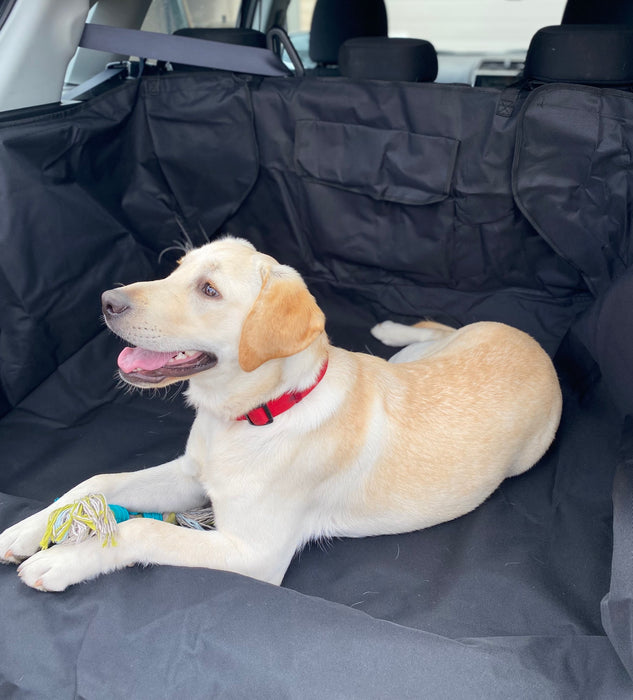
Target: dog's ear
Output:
[{"x": 284, "y": 319}]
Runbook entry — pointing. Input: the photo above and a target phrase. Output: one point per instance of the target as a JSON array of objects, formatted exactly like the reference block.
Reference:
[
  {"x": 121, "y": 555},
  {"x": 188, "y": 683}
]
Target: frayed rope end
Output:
[{"x": 77, "y": 521}]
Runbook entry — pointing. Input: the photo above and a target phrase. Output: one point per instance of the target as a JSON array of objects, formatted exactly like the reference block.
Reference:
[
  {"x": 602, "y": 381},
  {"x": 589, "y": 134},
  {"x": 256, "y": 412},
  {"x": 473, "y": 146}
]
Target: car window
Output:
[
  {"x": 168, "y": 15},
  {"x": 467, "y": 26},
  {"x": 481, "y": 43}
]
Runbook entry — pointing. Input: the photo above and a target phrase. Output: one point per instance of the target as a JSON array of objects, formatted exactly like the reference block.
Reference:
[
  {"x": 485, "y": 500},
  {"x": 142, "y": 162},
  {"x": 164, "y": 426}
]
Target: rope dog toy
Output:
[{"x": 92, "y": 516}]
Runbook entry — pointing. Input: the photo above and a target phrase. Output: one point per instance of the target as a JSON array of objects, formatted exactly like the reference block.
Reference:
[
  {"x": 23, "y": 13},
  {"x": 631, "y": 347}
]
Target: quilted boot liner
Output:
[{"x": 394, "y": 202}]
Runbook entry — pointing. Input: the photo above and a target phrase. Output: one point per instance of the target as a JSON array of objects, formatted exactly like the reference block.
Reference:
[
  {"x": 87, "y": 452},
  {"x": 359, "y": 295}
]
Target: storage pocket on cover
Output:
[{"x": 385, "y": 164}]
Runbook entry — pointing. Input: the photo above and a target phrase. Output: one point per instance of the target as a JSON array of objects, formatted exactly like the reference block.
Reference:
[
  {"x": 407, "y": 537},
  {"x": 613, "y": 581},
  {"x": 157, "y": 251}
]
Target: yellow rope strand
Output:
[{"x": 76, "y": 521}]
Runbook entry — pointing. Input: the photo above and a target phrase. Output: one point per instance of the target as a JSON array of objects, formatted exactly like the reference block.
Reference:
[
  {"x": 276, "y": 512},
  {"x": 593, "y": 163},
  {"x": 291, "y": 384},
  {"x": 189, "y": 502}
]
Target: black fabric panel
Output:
[
  {"x": 383, "y": 164},
  {"x": 614, "y": 341},
  {"x": 617, "y": 606},
  {"x": 135, "y": 634},
  {"x": 573, "y": 177},
  {"x": 56, "y": 240},
  {"x": 606, "y": 330},
  {"x": 459, "y": 242},
  {"x": 472, "y": 256},
  {"x": 5, "y": 406},
  {"x": 92, "y": 194},
  {"x": 208, "y": 155},
  {"x": 494, "y": 604}
]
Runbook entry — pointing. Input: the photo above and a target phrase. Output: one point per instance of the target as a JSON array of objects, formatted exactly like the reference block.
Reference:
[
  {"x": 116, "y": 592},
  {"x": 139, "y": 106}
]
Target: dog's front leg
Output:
[
  {"x": 168, "y": 487},
  {"x": 154, "y": 542}
]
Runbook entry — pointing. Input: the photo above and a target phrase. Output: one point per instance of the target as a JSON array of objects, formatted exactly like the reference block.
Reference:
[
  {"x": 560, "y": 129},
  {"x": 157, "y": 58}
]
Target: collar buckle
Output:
[{"x": 254, "y": 417}]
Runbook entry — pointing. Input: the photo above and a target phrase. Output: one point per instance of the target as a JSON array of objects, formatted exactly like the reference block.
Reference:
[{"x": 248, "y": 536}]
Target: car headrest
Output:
[
  {"x": 593, "y": 12},
  {"x": 335, "y": 21},
  {"x": 593, "y": 54},
  {"x": 382, "y": 58}
]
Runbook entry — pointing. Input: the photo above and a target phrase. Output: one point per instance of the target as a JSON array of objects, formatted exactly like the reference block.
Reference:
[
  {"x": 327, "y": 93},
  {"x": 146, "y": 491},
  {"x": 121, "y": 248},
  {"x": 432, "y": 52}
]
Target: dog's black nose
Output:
[{"x": 114, "y": 302}]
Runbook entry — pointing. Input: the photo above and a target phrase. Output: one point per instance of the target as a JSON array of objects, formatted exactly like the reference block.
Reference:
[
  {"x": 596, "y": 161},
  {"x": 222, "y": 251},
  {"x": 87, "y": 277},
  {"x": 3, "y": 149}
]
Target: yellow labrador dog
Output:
[{"x": 295, "y": 439}]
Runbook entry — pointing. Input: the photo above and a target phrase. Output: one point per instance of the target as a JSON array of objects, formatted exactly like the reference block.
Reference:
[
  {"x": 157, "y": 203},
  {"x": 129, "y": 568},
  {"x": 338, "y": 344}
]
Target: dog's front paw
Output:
[
  {"x": 22, "y": 540},
  {"x": 63, "y": 565},
  {"x": 51, "y": 569}
]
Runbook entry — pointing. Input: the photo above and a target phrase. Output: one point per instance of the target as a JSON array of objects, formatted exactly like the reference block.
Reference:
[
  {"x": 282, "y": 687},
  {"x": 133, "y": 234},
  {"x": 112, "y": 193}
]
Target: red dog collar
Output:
[{"x": 264, "y": 414}]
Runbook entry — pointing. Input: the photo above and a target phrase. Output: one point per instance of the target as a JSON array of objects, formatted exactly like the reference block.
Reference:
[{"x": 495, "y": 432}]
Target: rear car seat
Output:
[{"x": 334, "y": 22}]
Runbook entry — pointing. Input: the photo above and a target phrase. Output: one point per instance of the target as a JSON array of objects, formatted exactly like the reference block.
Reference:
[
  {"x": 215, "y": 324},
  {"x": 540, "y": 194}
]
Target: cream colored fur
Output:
[{"x": 377, "y": 447}]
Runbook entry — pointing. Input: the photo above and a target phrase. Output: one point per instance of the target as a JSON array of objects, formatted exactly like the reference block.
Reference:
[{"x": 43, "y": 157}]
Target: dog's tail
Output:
[
  {"x": 398, "y": 334},
  {"x": 434, "y": 326}
]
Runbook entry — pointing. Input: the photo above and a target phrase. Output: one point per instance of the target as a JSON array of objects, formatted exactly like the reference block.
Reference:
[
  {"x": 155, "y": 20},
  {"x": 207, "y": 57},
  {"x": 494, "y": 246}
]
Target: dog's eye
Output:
[{"x": 209, "y": 290}]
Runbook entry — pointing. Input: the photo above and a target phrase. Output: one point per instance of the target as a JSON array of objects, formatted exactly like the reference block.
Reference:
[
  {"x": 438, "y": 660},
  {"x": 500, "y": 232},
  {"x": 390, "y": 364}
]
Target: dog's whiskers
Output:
[
  {"x": 189, "y": 244},
  {"x": 205, "y": 235},
  {"x": 179, "y": 247}
]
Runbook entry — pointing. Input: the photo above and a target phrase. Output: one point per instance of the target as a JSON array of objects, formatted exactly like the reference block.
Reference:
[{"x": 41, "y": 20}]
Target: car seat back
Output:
[{"x": 335, "y": 21}]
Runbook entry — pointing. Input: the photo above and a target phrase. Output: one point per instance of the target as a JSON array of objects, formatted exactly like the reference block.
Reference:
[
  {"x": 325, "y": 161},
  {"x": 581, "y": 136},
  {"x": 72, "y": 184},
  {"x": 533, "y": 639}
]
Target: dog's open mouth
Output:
[{"x": 150, "y": 367}]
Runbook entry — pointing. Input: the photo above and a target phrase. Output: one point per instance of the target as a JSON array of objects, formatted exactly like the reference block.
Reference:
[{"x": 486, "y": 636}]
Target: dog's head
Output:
[{"x": 225, "y": 304}]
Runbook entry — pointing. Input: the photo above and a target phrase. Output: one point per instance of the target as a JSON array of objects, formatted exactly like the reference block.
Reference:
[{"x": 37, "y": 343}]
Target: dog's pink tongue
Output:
[{"x": 138, "y": 358}]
